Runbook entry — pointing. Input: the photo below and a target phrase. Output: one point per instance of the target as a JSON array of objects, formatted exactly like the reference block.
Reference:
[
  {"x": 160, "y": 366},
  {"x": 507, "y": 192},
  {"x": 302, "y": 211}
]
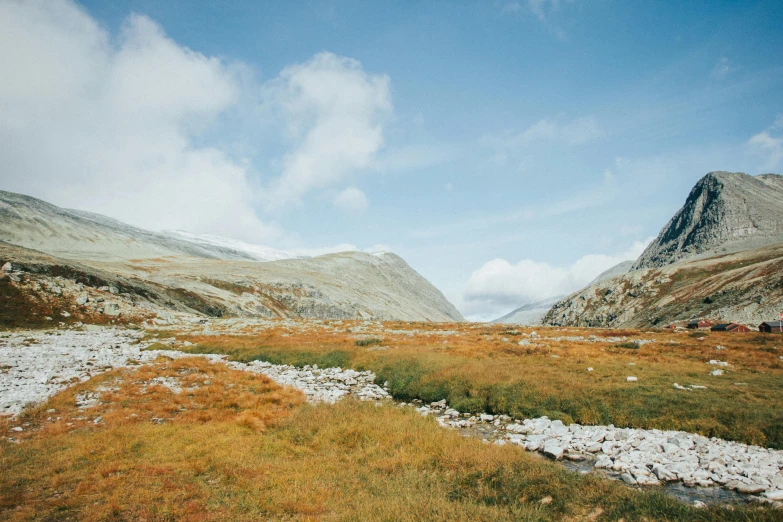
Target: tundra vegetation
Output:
[
  {"x": 228, "y": 445},
  {"x": 486, "y": 369}
]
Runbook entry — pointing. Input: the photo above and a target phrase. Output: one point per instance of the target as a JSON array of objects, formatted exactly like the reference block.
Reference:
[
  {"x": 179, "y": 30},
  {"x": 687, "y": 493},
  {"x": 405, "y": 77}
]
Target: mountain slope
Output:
[
  {"x": 744, "y": 287},
  {"x": 75, "y": 234},
  {"x": 204, "y": 274},
  {"x": 209, "y": 241},
  {"x": 720, "y": 256},
  {"x": 725, "y": 212},
  {"x": 530, "y": 313},
  {"x": 620, "y": 268}
]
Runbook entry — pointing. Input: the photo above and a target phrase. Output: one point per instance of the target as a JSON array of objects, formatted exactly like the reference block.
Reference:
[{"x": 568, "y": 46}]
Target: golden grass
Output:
[
  {"x": 485, "y": 369},
  {"x": 235, "y": 446}
]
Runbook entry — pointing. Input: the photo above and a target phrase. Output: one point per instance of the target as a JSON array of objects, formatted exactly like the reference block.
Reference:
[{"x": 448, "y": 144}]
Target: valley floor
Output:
[{"x": 149, "y": 433}]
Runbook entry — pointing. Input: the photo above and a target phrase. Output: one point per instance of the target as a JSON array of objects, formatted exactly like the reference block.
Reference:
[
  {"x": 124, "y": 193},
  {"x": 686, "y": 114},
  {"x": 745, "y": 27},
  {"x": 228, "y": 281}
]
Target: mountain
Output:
[
  {"x": 620, "y": 268},
  {"x": 75, "y": 234},
  {"x": 89, "y": 258},
  {"x": 529, "y": 314},
  {"x": 743, "y": 287},
  {"x": 725, "y": 212},
  {"x": 208, "y": 241},
  {"x": 720, "y": 257}
]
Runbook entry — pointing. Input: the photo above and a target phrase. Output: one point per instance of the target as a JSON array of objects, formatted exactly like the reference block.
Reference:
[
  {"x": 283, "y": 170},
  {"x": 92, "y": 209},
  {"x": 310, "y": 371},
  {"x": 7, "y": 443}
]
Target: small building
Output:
[
  {"x": 700, "y": 323},
  {"x": 730, "y": 327},
  {"x": 771, "y": 327}
]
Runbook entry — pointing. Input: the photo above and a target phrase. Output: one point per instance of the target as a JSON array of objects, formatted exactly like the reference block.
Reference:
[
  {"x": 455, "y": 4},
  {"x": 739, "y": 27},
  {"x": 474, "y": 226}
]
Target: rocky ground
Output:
[
  {"x": 36, "y": 365},
  {"x": 744, "y": 287}
]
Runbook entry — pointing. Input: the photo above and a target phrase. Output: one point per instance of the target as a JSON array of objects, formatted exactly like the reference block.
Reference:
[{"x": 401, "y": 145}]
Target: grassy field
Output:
[
  {"x": 484, "y": 368},
  {"x": 235, "y": 446}
]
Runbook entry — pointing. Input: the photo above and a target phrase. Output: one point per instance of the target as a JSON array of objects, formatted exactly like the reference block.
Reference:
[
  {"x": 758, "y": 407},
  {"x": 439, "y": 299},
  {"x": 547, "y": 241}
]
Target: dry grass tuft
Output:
[
  {"x": 235, "y": 446},
  {"x": 486, "y": 369}
]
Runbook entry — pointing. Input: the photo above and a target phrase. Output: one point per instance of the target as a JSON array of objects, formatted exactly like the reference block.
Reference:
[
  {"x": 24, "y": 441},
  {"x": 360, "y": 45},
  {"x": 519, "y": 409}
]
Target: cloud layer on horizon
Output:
[{"x": 499, "y": 286}]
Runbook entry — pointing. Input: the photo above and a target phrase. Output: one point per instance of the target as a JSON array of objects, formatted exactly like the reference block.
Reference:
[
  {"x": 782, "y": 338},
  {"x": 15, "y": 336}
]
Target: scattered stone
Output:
[
  {"x": 546, "y": 500},
  {"x": 716, "y": 372},
  {"x": 7, "y": 267},
  {"x": 631, "y": 378},
  {"x": 640, "y": 457},
  {"x": 590, "y": 369}
]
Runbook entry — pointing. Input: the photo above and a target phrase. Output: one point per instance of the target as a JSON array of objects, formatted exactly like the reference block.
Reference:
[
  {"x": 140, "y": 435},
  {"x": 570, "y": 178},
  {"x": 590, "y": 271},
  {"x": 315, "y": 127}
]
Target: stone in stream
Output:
[{"x": 553, "y": 450}]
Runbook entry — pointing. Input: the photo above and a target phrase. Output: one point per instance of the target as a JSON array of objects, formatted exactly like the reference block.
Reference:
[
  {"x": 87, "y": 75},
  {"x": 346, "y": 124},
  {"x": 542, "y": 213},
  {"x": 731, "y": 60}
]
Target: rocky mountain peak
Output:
[{"x": 725, "y": 212}]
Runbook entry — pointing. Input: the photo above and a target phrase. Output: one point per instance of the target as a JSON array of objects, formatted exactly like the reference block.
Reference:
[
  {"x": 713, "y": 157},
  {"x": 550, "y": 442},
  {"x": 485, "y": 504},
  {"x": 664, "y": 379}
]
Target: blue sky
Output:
[{"x": 509, "y": 151}]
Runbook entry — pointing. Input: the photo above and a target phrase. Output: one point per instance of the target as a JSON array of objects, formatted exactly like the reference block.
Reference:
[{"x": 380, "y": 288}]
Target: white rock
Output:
[
  {"x": 552, "y": 450},
  {"x": 631, "y": 378},
  {"x": 775, "y": 495}
]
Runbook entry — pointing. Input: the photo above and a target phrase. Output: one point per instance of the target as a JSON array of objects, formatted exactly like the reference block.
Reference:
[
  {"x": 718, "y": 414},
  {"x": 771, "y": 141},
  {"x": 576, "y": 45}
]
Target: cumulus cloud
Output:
[
  {"x": 133, "y": 124},
  {"x": 351, "y": 199},
  {"x": 108, "y": 123},
  {"x": 769, "y": 144},
  {"x": 771, "y": 147},
  {"x": 334, "y": 112},
  {"x": 499, "y": 286}
]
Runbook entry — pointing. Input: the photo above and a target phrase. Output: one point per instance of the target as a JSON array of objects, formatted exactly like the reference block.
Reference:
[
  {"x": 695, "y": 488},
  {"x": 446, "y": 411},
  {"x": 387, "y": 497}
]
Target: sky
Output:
[{"x": 508, "y": 151}]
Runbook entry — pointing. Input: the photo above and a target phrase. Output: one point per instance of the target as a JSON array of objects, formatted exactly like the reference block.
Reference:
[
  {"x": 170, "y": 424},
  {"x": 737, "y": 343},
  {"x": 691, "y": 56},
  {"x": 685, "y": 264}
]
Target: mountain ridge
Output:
[
  {"x": 208, "y": 274},
  {"x": 724, "y": 212},
  {"x": 720, "y": 256}
]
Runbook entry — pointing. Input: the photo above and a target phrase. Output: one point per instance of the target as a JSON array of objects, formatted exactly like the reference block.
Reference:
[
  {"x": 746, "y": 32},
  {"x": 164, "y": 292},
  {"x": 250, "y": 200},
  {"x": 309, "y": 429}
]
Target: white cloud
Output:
[
  {"x": 351, "y": 199},
  {"x": 723, "y": 68},
  {"x": 499, "y": 286},
  {"x": 334, "y": 112},
  {"x": 124, "y": 124},
  {"x": 108, "y": 123},
  {"x": 769, "y": 145},
  {"x": 574, "y": 132},
  {"x": 541, "y": 8},
  {"x": 449, "y": 187}
]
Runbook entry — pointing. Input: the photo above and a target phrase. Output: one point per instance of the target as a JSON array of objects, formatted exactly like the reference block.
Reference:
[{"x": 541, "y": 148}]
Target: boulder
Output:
[
  {"x": 776, "y": 495},
  {"x": 553, "y": 450}
]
